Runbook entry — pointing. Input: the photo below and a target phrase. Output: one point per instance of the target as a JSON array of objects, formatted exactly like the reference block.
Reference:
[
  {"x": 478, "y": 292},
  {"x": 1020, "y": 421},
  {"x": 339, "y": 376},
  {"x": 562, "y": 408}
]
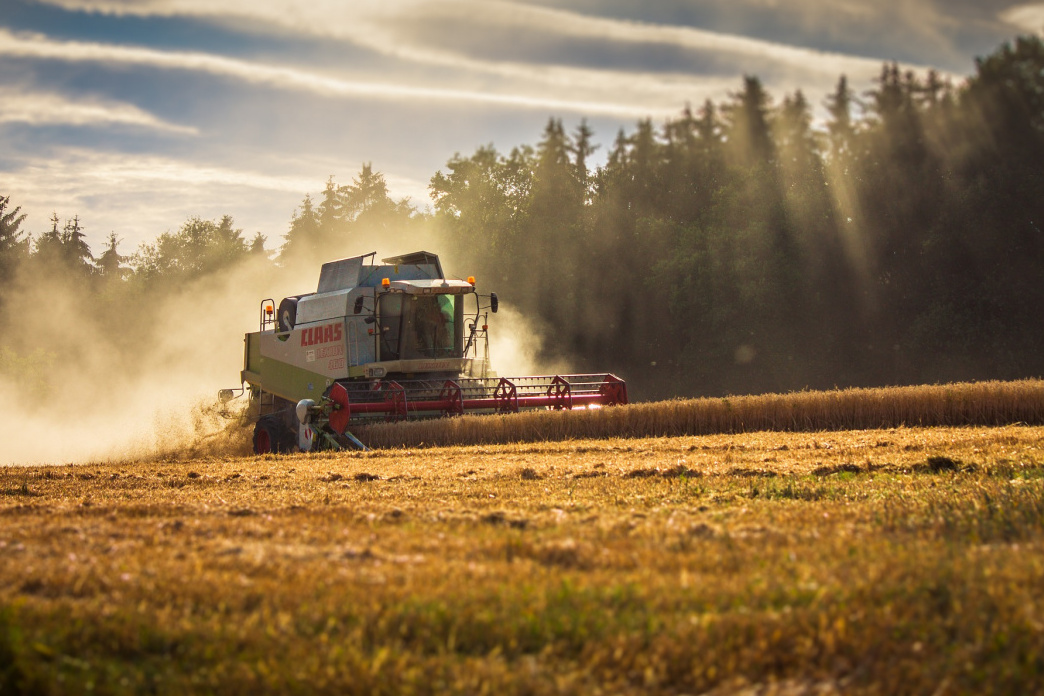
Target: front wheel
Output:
[{"x": 266, "y": 438}]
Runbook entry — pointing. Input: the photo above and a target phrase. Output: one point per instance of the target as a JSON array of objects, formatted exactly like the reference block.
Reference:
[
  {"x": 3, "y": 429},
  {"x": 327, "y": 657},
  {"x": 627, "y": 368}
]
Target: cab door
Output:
[{"x": 389, "y": 325}]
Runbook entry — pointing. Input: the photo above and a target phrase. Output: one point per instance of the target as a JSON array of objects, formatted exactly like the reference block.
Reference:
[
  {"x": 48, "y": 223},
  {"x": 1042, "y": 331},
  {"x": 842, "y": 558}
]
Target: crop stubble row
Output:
[{"x": 881, "y": 561}]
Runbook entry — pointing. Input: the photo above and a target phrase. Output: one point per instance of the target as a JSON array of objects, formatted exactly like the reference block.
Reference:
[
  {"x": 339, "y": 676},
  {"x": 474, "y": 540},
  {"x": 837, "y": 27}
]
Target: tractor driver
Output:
[{"x": 434, "y": 319}]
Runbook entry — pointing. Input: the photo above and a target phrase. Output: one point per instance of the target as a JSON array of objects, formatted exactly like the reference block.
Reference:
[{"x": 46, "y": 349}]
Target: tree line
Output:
[{"x": 739, "y": 247}]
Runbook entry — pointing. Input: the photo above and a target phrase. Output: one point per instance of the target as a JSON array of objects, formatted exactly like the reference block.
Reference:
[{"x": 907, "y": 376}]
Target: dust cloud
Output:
[
  {"x": 515, "y": 342},
  {"x": 130, "y": 376}
]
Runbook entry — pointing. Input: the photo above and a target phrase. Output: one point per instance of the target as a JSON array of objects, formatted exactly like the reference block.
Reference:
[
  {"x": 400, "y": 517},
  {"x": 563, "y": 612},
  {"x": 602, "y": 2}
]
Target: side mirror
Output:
[
  {"x": 494, "y": 303},
  {"x": 358, "y": 305}
]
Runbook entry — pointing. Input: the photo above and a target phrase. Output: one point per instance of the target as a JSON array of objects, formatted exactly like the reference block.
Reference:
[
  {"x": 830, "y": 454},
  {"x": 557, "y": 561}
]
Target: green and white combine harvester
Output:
[{"x": 386, "y": 342}]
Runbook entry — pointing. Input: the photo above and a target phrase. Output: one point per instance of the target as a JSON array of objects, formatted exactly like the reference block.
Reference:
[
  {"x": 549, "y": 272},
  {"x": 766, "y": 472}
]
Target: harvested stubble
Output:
[
  {"x": 964, "y": 404},
  {"x": 874, "y": 562}
]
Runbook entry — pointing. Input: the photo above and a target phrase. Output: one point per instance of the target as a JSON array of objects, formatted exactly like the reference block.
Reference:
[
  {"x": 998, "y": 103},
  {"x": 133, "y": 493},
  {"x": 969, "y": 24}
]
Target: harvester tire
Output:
[{"x": 267, "y": 438}]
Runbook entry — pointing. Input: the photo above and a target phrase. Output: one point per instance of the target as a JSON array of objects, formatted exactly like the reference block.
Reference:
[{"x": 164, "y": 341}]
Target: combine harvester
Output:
[{"x": 389, "y": 341}]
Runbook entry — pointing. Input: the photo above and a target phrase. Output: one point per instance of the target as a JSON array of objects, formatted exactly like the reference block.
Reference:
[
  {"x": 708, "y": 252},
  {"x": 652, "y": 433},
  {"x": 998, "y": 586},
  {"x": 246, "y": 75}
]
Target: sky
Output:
[{"x": 137, "y": 114}]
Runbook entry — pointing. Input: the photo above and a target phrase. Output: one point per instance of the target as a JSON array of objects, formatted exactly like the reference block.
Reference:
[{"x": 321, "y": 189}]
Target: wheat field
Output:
[{"x": 900, "y": 560}]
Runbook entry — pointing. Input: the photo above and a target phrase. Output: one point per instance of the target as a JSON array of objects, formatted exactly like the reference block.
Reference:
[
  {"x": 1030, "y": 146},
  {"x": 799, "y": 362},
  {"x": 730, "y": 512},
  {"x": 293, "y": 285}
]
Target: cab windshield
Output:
[{"x": 417, "y": 327}]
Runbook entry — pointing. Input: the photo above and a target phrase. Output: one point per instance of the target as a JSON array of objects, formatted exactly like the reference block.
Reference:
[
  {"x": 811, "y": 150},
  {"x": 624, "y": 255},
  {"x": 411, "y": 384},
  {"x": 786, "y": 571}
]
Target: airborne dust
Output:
[{"x": 133, "y": 373}]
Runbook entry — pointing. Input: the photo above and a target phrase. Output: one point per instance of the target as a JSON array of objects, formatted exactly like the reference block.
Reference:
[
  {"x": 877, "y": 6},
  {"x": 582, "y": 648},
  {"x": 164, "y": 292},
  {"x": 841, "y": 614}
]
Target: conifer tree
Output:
[
  {"x": 747, "y": 125},
  {"x": 582, "y": 148},
  {"x": 14, "y": 247},
  {"x": 110, "y": 263},
  {"x": 304, "y": 238},
  {"x": 841, "y": 126},
  {"x": 331, "y": 209},
  {"x": 257, "y": 245}
]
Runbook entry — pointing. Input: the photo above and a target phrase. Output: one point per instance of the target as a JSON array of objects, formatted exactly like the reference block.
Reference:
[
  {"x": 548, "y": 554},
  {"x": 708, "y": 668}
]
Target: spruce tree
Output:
[{"x": 14, "y": 246}]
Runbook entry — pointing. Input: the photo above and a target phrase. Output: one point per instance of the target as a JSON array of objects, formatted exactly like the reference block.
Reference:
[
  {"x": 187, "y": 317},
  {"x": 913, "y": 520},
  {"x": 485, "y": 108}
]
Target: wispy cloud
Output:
[
  {"x": 111, "y": 186},
  {"x": 416, "y": 32},
  {"x": 573, "y": 24},
  {"x": 22, "y": 45},
  {"x": 1028, "y": 18},
  {"x": 941, "y": 33},
  {"x": 47, "y": 109}
]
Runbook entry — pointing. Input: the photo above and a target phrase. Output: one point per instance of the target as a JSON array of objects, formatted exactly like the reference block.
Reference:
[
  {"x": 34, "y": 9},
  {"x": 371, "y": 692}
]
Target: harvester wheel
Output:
[{"x": 266, "y": 438}]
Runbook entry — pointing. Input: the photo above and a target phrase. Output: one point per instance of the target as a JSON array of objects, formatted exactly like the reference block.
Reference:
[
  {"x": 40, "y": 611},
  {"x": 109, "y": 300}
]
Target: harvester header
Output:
[{"x": 387, "y": 341}]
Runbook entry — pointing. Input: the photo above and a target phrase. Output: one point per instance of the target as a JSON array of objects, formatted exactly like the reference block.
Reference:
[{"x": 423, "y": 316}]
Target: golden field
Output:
[{"x": 887, "y": 561}]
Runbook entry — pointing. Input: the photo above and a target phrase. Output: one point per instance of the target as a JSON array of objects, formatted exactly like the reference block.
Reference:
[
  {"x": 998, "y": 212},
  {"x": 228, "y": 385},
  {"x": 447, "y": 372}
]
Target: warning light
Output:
[
  {"x": 268, "y": 309},
  {"x": 471, "y": 279},
  {"x": 385, "y": 283}
]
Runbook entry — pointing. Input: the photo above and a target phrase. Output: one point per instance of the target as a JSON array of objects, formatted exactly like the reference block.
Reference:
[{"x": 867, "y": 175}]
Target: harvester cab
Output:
[{"x": 386, "y": 341}]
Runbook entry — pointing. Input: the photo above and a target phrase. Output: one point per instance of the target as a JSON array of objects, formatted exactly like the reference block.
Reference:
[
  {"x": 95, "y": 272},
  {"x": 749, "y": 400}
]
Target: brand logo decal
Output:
[{"x": 321, "y": 334}]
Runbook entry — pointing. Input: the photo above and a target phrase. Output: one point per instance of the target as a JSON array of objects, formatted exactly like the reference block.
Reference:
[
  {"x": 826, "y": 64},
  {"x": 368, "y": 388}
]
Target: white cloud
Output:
[
  {"x": 525, "y": 17},
  {"x": 375, "y": 25},
  {"x": 45, "y": 108},
  {"x": 641, "y": 97},
  {"x": 1028, "y": 18},
  {"x": 733, "y": 54},
  {"x": 413, "y": 31}
]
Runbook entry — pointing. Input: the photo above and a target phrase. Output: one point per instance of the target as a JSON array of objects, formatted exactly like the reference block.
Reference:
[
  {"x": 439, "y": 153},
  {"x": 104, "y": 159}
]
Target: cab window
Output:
[
  {"x": 433, "y": 328},
  {"x": 389, "y": 317}
]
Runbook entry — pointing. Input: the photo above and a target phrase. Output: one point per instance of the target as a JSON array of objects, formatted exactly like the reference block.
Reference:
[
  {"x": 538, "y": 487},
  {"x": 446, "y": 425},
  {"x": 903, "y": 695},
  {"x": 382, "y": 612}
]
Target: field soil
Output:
[{"x": 892, "y": 561}]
